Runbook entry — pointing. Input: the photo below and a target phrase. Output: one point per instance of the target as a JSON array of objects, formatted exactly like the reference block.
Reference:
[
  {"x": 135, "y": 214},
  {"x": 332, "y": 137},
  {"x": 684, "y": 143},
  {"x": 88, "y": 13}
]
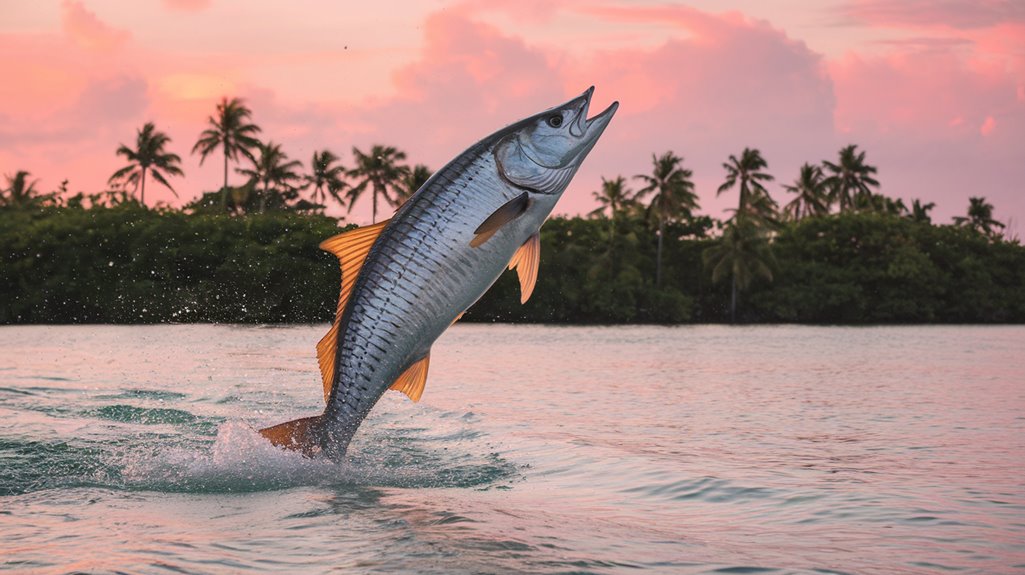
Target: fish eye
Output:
[{"x": 555, "y": 120}]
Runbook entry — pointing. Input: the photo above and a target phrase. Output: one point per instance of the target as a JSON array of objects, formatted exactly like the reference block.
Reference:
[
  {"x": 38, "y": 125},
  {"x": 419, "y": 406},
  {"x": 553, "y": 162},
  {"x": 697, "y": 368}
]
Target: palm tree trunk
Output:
[
  {"x": 658, "y": 253},
  {"x": 373, "y": 218},
  {"x": 142, "y": 191},
  {"x": 263, "y": 197},
  {"x": 612, "y": 245},
  {"x": 733, "y": 299},
  {"x": 224, "y": 190}
]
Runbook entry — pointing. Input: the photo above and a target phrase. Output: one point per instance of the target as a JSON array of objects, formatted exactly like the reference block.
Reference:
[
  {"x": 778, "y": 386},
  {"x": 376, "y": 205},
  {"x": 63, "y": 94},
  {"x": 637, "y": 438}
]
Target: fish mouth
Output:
[{"x": 589, "y": 129}]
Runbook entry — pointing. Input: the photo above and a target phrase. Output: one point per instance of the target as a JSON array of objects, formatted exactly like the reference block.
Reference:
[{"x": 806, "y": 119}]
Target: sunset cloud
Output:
[
  {"x": 961, "y": 14},
  {"x": 988, "y": 125},
  {"x": 187, "y": 5},
  {"x": 88, "y": 31},
  {"x": 472, "y": 78}
]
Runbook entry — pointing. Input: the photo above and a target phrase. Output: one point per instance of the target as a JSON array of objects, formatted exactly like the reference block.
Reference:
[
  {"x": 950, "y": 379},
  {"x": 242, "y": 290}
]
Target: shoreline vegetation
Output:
[{"x": 837, "y": 252}]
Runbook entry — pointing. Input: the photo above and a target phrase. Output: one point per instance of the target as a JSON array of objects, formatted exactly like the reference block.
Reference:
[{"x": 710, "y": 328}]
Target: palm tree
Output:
[
  {"x": 742, "y": 253},
  {"x": 849, "y": 179},
  {"x": 21, "y": 193},
  {"x": 231, "y": 131},
  {"x": 326, "y": 178},
  {"x": 613, "y": 196},
  {"x": 755, "y": 202},
  {"x": 811, "y": 197},
  {"x": 272, "y": 167},
  {"x": 411, "y": 182},
  {"x": 674, "y": 197},
  {"x": 148, "y": 155},
  {"x": 379, "y": 171},
  {"x": 980, "y": 218},
  {"x": 920, "y": 212},
  {"x": 881, "y": 204}
]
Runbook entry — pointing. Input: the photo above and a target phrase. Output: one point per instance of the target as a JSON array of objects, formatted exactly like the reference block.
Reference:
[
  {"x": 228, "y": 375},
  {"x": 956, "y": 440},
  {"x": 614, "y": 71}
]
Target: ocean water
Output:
[{"x": 706, "y": 449}]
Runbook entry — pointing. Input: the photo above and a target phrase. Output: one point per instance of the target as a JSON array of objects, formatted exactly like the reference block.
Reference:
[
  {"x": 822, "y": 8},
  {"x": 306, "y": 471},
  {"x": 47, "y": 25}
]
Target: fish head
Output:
[{"x": 542, "y": 153}]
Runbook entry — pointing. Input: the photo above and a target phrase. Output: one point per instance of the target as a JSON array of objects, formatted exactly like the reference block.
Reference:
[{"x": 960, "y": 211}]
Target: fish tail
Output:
[{"x": 304, "y": 435}]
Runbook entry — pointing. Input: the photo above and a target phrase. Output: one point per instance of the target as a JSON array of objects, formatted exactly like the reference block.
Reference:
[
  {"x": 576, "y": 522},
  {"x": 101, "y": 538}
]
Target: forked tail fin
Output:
[{"x": 303, "y": 435}]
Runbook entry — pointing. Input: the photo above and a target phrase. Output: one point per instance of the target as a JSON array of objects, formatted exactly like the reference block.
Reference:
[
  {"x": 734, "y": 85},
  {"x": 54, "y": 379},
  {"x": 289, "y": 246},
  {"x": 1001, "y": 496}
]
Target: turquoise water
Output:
[{"x": 703, "y": 449}]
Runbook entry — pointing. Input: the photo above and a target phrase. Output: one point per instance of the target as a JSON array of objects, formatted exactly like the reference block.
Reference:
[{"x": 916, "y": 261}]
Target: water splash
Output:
[
  {"x": 239, "y": 460},
  {"x": 180, "y": 457}
]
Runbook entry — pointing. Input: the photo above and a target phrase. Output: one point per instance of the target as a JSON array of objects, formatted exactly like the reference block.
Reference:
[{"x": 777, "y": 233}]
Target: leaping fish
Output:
[{"x": 407, "y": 279}]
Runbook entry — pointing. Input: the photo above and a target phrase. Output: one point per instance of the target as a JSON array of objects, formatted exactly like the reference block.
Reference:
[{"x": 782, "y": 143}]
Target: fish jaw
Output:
[{"x": 594, "y": 127}]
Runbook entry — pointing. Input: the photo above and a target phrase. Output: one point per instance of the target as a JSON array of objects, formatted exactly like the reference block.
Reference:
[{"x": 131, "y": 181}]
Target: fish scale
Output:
[{"x": 440, "y": 252}]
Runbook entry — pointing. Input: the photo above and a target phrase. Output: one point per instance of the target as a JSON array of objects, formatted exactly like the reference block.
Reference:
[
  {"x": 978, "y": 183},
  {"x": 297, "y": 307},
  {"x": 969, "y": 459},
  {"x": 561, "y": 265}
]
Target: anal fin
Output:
[{"x": 413, "y": 380}]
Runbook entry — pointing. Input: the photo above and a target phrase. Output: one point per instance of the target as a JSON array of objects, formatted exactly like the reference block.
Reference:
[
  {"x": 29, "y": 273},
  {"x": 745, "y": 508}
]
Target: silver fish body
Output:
[
  {"x": 422, "y": 272},
  {"x": 419, "y": 276}
]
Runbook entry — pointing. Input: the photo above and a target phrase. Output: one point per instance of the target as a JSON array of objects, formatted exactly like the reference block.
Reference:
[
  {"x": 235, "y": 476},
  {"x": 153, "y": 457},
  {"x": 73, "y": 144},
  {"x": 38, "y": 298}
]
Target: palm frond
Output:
[{"x": 160, "y": 178}]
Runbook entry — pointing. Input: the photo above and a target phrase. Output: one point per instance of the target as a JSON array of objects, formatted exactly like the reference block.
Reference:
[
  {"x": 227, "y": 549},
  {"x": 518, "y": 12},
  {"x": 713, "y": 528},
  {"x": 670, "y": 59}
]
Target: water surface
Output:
[{"x": 704, "y": 449}]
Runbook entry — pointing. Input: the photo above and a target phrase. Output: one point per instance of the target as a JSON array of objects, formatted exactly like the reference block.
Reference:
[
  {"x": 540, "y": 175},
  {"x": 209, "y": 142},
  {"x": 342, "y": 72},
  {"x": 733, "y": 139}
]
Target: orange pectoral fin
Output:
[
  {"x": 526, "y": 262},
  {"x": 298, "y": 435}
]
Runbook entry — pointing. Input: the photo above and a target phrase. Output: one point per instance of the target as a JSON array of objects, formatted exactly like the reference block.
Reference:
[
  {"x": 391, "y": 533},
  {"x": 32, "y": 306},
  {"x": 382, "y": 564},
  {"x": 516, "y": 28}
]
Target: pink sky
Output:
[{"x": 933, "y": 91}]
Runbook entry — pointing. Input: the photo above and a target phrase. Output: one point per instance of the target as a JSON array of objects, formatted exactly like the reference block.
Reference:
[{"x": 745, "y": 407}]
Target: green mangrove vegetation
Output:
[{"x": 837, "y": 251}]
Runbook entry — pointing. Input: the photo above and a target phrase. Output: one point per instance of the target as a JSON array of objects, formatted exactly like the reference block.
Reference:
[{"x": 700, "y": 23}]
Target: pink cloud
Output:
[
  {"x": 943, "y": 124},
  {"x": 77, "y": 95},
  {"x": 87, "y": 30},
  {"x": 960, "y": 14},
  {"x": 461, "y": 53},
  {"x": 521, "y": 11},
  {"x": 917, "y": 91},
  {"x": 43, "y": 75},
  {"x": 988, "y": 125},
  {"x": 471, "y": 78},
  {"x": 724, "y": 83},
  {"x": 187, "y": 5}
]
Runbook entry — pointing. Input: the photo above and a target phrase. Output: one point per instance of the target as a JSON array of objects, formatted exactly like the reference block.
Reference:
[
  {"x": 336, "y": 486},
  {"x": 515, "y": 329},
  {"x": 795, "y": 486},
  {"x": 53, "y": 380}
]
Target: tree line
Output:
[
  {"x": 744, "y": 250},
  {"x": 838, "y": 251}
]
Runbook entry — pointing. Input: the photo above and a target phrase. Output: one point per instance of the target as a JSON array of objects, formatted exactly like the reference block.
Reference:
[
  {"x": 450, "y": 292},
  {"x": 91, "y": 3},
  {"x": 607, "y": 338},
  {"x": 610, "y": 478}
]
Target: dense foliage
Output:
[
  {"x": 128, "y": 264},
  {"x": 879, "y": 268}
]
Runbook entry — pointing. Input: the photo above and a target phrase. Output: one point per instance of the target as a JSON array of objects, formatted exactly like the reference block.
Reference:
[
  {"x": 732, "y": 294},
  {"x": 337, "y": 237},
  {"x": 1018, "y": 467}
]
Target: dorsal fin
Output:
[
  {"x": 413, "y": 380},
  {"x": 526, "y": 261},
  {"x": 352, "y": 248}
]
